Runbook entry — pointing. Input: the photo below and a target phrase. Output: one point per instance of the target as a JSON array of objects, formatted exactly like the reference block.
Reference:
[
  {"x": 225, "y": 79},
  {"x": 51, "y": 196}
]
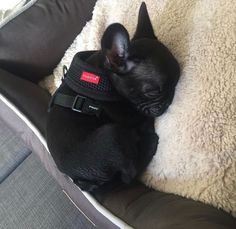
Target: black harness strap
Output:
[{"x": 77, "y": 103}]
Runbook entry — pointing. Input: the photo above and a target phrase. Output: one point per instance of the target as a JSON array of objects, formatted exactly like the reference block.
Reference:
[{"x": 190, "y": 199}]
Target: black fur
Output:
[{"x": 100, "y": 153}]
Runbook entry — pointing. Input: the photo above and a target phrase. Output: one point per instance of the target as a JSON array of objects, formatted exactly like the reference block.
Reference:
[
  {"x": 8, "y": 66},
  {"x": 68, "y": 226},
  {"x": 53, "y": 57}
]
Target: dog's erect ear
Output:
[
  {"x": 115, "y": 46},
  {"x": 144, "y": 27}
]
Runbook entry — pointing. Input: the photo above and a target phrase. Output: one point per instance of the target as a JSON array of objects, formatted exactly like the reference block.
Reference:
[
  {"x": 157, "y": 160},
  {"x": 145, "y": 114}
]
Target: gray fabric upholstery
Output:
[
  {"x": 34, "y": 42},
  {"x": 24, "y": 96},
  {"x": 31, "y": 199},
  {"x": 12, "y": 151}
]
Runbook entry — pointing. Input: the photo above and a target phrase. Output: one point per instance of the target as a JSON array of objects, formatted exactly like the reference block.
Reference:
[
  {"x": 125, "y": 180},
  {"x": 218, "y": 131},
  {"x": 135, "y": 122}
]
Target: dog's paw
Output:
[{"x": 151, "y": 140}]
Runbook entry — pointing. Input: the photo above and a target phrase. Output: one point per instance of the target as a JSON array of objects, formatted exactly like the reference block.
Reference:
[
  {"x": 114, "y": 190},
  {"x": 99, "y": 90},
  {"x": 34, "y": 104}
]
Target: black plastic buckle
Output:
[{"x": 81, "y": 99}]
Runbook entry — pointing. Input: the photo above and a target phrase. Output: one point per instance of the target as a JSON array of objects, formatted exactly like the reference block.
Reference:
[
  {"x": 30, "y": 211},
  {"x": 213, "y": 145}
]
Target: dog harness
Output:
[{"x": 91, "y": 84}]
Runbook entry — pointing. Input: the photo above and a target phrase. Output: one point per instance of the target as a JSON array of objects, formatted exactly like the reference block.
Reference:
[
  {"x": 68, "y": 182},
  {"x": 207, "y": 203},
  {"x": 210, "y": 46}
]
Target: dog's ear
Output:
[
  {"x": 144, "y": 28},
  {"x": 115, "y": 46}
]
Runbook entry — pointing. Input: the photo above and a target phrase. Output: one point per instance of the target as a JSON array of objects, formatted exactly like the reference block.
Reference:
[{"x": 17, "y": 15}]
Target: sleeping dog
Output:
[{"x": 100, "y": 128}]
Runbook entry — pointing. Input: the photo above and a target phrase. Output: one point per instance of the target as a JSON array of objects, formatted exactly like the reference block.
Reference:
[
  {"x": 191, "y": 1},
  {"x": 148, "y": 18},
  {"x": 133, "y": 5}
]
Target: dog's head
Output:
[{"x": 142, "y": 69}]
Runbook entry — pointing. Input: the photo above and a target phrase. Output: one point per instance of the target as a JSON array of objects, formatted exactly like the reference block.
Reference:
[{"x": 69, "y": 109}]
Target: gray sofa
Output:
[{"x": 31, "y": 45}]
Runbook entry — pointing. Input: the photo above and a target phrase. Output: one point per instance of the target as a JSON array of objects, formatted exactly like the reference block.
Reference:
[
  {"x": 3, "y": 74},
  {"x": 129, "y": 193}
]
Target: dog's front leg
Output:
[{"x": 147, "y": 144}]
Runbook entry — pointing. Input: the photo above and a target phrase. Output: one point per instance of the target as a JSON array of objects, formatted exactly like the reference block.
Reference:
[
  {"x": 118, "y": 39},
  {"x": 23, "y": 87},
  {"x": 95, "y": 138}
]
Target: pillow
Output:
[
  {"x": 196, "y": 156},
  {"x": 33, "y": 41}
]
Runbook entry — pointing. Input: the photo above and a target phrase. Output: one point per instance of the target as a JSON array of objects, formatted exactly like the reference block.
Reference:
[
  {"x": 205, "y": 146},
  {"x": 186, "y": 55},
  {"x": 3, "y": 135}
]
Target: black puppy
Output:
[{"x": 112, "y": 139}]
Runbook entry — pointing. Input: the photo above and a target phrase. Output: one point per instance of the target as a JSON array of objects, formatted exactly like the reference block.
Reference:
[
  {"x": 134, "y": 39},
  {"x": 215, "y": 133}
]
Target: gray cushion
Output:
[
  {"x": 31, "y": 199},
  {"x": 12, "y": 151},
  {"x": 33, "y": 43}
]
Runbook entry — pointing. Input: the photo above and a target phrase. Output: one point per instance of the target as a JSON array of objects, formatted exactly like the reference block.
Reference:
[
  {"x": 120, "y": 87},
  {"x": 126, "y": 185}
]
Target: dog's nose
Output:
[
  {"x": 158, "y": 110},
  {"x": 155, "y": 112},
  {"x": 167, "y": 104}
]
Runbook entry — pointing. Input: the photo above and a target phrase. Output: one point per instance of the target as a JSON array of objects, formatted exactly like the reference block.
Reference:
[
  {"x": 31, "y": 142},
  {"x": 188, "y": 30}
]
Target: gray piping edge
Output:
[{"x": 18, "y": 12}]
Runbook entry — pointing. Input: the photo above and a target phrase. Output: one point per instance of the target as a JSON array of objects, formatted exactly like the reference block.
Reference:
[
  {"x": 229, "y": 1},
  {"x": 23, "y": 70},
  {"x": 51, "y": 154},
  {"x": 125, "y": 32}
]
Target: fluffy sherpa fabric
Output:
[{"x": 196, "y": 156}]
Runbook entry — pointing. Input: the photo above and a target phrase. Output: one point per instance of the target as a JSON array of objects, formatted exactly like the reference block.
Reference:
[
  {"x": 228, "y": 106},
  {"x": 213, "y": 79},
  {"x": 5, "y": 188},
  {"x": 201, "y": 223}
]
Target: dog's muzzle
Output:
[
  {"x": 156, "y": 106},
  {"x": 153, "y": 110}
]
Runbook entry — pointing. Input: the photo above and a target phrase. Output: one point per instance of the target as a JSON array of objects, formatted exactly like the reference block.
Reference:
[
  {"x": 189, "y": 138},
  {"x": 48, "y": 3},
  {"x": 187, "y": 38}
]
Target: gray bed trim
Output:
[{"x": 15, "y": 14}]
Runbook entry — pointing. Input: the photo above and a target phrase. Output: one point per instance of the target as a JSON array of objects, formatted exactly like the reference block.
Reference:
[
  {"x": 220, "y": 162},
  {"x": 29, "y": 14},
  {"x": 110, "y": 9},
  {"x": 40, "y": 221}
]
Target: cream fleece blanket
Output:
[{"x": 196, "y": 156}]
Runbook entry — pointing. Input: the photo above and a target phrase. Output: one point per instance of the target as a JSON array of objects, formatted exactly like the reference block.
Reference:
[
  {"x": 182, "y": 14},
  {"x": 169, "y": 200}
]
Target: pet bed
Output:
[{"x": 196, "y": 156}]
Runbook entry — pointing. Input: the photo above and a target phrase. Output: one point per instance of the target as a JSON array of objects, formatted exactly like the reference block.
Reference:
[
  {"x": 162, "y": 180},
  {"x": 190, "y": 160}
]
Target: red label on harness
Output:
[{"x": 89, "y": 77}]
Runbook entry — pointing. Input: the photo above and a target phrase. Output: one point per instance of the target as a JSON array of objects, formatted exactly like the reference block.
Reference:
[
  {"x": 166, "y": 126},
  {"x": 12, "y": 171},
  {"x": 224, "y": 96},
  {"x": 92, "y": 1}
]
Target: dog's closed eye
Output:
[
  {"x": 150, "y": 90},
  {"x": 152, "y": 93}
]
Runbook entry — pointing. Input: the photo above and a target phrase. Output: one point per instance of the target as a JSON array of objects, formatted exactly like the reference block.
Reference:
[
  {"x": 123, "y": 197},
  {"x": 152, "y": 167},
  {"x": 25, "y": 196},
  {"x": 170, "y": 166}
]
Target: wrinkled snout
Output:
[{"x": 156, "y": 106}]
